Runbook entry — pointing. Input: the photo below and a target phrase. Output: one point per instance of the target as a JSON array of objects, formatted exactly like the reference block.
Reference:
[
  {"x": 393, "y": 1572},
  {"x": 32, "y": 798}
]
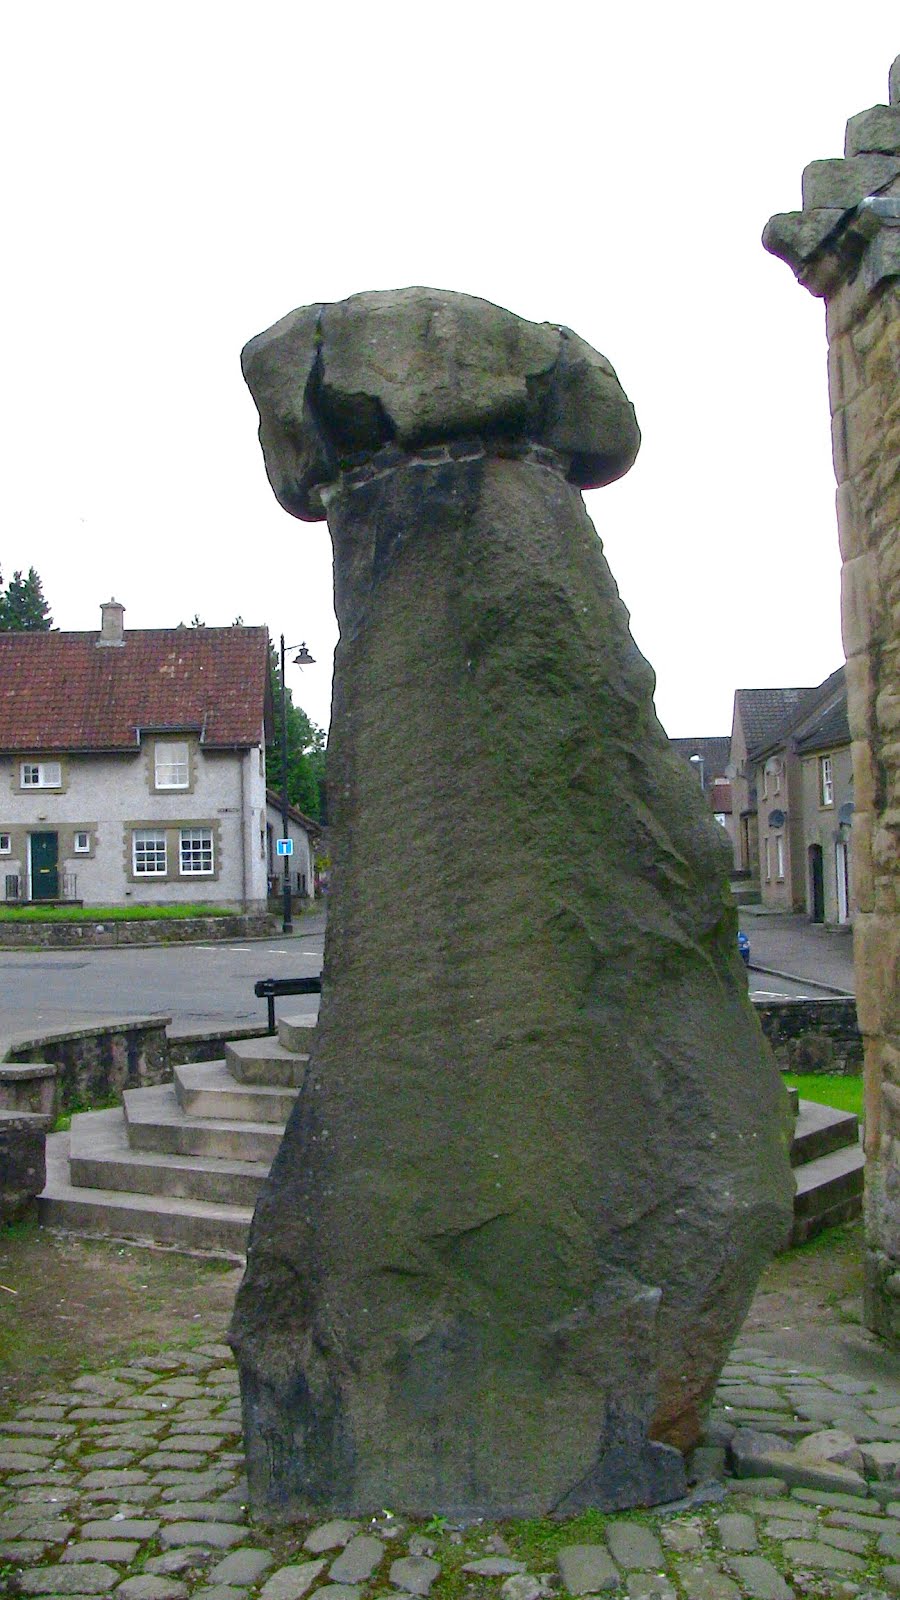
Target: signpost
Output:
[{"x": 285, "y": 846}]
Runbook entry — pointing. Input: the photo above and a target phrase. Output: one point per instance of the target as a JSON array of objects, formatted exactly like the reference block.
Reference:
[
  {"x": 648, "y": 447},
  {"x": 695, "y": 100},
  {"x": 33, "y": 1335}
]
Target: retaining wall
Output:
[
  {"x": 813, "y": 1035},
  {"x": 163, "y": 930}
]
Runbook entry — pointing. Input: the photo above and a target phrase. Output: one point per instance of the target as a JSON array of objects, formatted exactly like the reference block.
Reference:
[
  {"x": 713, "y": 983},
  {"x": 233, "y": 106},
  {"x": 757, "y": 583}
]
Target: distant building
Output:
[
  {"x": 708, "y": 758},
  {"x": 132, "y": 765},
  {"x": 303, "y": 833},
  {"x": 804, "y": 784},
  {"x": 759, "y": 715}
]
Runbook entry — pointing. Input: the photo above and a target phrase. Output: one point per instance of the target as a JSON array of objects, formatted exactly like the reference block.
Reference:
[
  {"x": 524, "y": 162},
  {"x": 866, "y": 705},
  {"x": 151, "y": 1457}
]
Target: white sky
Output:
[{"x": 179, "y": 176}]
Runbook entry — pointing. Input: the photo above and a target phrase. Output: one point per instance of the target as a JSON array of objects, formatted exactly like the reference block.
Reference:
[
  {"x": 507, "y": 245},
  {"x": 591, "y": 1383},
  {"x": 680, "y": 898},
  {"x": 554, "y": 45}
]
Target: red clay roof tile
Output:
[{"x": 64, "y": 691}]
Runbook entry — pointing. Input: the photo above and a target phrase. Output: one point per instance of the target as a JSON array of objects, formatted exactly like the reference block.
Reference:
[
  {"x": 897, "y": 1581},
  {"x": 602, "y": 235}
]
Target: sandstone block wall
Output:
[{"x": 845, "y": 247}]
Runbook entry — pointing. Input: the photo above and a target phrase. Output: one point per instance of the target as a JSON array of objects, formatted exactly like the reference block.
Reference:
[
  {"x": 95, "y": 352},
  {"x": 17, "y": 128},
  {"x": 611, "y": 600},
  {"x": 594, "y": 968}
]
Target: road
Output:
[
  {"x": 199, "y": 986},
  {"x": 211, "y": 985}
]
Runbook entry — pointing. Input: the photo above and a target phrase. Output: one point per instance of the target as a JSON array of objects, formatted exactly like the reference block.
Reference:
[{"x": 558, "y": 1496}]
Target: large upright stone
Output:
[{"x": 540, "y": 1154}]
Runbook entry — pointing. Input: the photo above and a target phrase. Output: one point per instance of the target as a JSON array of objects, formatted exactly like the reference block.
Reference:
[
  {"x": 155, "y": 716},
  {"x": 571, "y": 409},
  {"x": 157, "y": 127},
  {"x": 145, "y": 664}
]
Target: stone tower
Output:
[{"x": 844, "y": 246}]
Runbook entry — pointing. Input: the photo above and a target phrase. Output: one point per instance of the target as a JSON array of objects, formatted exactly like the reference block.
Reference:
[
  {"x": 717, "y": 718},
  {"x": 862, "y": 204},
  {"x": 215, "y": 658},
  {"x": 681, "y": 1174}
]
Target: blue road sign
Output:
[{"x": 284, "y": 847}]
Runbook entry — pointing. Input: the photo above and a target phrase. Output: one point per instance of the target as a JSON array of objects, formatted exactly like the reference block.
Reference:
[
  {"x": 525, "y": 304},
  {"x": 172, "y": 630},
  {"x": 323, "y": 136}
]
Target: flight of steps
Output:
[
  {"x": 828, "y": 1162},
  {"x": 182, "y": 1163}
]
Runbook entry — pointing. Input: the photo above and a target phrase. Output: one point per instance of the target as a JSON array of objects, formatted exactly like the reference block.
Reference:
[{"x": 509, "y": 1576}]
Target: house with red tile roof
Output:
[{"x": 132, "y": 765}]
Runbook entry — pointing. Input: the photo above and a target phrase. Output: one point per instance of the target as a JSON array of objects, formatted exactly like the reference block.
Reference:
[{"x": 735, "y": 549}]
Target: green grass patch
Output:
[
  {"x": 109, "y": 914},
  {"x": 829, "y": 1089}
]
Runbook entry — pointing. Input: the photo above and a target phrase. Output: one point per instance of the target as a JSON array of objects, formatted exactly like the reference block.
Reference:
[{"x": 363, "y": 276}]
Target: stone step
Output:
[
  {"x": 207, "y": 1089},
  {"x": 266, "y": 1061},
  {"x": 159, "y": 1219},
  {"x": 296, "y": 1032},
  {"x": 819, "y": 1129},
  {"x": 100, "y": 1157},
  {"x": 156, "y": 1122},
  {"x": 829, "y": 1190}
]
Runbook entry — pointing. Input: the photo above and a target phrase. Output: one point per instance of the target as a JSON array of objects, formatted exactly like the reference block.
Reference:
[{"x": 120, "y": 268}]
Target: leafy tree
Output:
[
  {"x": 306, "y": 752},
  {"x": 22, "y": 605}
]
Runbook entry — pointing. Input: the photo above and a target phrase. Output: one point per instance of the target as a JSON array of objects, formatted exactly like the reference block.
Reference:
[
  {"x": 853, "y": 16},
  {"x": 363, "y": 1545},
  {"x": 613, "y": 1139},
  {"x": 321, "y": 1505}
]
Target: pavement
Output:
[{"x": 130, "y": 1483}]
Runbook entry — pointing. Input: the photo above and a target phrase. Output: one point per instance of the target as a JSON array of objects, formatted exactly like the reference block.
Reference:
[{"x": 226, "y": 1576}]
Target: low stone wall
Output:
[
  {"x": 813, "y": 1035},
  {"x": 106, "y": 935},
  {"x": 94, "y": 1065},
  {"x": 23, "y": 1170},
  {"x": 211, "y": 1046}
]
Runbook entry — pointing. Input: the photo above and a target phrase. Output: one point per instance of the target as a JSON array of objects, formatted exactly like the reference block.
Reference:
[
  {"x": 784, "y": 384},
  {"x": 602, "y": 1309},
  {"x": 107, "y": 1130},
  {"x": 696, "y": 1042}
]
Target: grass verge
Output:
[
  {"x": 829, "y": 1089},
  {"x": 109, "y": 913}
]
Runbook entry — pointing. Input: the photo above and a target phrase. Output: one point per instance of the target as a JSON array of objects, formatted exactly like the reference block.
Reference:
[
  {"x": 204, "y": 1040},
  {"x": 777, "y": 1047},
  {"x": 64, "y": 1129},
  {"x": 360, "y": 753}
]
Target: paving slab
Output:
[
  {"x": 633, "y": 1546},
  {"x": 292, "y": 1582},
  {"x": 584, "y": 1569},
  {"x": 759, "y": 1578}
]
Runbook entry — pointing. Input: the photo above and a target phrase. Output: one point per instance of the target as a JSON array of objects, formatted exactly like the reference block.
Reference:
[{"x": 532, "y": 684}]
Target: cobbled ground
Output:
[{"x": 130, "y": 1482}]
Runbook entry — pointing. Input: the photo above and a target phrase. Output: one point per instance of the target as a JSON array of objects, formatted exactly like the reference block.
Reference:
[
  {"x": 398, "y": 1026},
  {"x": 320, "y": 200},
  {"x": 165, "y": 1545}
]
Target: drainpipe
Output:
[{"x": 244, "y": 758}]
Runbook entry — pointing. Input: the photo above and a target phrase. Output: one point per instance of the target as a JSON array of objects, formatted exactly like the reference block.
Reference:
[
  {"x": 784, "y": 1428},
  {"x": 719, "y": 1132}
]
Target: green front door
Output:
[{"x": 45, "y": 866}]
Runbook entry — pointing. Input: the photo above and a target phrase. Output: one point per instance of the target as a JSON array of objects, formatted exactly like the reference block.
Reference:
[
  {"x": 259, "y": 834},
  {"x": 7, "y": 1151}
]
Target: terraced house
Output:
[{"x": 132, "y": 765}]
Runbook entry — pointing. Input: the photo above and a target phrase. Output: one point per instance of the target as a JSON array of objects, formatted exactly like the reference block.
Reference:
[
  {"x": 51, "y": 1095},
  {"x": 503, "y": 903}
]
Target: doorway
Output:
[
  {"x": 842, "y": 874},
  {"x": 816, "y": 884},
  {"x": 44, "y": 864}
]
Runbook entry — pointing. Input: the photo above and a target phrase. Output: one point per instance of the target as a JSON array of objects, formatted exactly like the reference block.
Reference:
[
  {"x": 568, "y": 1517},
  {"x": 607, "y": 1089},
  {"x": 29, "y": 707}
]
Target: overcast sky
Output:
[{"x": 179, "y": 176}]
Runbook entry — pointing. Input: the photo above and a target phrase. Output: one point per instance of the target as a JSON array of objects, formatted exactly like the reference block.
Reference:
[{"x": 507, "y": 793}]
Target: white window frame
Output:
[
  {"x": 171, "y": 770},
  {"x": 5, "y": 844},
  {"x": 826, "y": 781},
  {"x": 779, "y": 857},
  {"x": 40, "y": 775},
  {"x": 768, "y": 857},
  {"x": 81, "y": 849},
  {"x": 776, "y": 788},
  {"x": 190, "y": 849},
  {"x": 143, "y": 837}
]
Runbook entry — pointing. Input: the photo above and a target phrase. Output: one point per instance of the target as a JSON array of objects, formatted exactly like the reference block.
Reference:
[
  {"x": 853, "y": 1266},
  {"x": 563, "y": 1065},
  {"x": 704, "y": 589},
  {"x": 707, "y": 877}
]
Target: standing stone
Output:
[
  {"x": 540, "y": 1153},
  {"x": 845, "y": 247}
]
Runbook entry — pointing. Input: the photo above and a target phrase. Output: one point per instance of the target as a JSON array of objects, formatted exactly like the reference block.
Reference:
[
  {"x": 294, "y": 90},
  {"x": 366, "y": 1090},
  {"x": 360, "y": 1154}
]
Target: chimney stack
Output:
[{"x": 112, "y": 626}]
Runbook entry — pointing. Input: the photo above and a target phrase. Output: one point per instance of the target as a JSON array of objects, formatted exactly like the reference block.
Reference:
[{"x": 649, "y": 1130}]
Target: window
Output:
[
  {"x": 765, "y": 785},
  {"x": 768, "y": 859},
  {"x": 5, "y": 844},
  {"x": 776, "y": 774},
  {"x": 82, "y": 843},
  {"x": 779, "y": 857},
  {"x": 171, "y": 767},
  {"x": 826, "y": 781},
  {"x": 149, "y": 853},
  {"x": 196, "y": 852},
  {"x": 41, "y": 775}
]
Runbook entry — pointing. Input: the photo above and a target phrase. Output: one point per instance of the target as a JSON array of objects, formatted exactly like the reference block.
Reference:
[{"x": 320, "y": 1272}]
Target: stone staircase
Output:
[
  {"x": 182, "y": 1163},
  {"x": 828, "y": 1162}
]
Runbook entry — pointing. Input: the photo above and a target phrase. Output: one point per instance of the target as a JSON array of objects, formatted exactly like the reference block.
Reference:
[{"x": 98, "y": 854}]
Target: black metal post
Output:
[{"x": 287, "y": 924}]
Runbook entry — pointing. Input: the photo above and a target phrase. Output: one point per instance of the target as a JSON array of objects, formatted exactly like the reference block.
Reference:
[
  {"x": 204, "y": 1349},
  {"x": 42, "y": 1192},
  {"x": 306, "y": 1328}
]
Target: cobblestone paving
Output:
[{"x": 130, "y": 1483}]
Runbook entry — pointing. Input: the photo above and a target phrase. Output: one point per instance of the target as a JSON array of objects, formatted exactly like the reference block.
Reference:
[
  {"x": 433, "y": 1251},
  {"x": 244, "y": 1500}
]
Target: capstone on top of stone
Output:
[{"x": 412, "y": 367}]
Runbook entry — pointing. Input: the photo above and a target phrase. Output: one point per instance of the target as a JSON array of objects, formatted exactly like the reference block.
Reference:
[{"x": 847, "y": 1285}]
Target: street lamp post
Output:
[{"x": 301, "y": 659}]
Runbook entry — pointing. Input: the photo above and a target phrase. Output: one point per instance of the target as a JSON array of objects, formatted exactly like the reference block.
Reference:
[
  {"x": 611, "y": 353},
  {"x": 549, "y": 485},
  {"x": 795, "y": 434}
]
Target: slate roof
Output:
[
  {"x": 714, "y": 749},
  {"x": 818, "y": 721},
  {"x": 65, "y": 692},
  {"x": 313, "y": 828},
  {"x": 823, "y": 722},
  {"x": 764, "y": 712}
]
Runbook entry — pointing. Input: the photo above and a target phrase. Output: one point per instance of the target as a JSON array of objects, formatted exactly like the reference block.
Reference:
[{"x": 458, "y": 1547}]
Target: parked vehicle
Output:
[{"x": 744, "y": 948}]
